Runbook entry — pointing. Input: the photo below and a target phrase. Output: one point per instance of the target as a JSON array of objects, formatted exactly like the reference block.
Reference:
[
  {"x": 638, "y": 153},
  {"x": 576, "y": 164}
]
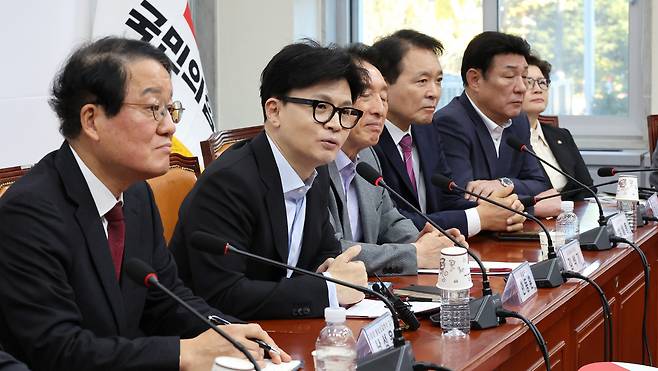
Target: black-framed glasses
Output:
[
  {"x": 175, "y": 109},
  {"x": 325, "y": 111},
  {"x": 541, "y": 82}
]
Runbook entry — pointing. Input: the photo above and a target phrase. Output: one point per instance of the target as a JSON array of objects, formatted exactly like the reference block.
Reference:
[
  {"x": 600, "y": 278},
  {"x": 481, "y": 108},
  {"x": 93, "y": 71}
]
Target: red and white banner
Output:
[{"x": 168, "y": 26}]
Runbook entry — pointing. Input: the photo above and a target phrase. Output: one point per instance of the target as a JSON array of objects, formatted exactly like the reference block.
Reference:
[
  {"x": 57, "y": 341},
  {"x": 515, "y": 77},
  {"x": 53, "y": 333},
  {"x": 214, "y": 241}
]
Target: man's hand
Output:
[
  {"x": 486, "y": 188},
  {"x": 549, "y": 206},
  {"x": 494, "y": 218},
  {"x": 343, "y": 268},
  {"x": 429, "y": 245},
  {"x": 200, "y": 352}
]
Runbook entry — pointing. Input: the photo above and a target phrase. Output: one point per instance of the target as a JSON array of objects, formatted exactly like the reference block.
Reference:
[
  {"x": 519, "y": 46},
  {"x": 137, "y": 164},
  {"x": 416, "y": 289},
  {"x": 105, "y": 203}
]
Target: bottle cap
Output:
[
  {"x": 335, "y": 314},
  {"x": 567, "y": 206}
]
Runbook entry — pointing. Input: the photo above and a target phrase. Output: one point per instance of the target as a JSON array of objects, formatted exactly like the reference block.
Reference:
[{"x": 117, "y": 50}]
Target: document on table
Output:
[
  {"x": 493, "y": 267},
  {"x": 369, "y": 308},
  {"x": 293, "y": 365}
]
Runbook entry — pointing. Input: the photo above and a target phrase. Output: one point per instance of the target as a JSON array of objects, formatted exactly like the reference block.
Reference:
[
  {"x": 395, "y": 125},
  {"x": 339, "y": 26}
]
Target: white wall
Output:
[
  {"x": 38, "y": 35},
  {"x": 250, "y": 32}
]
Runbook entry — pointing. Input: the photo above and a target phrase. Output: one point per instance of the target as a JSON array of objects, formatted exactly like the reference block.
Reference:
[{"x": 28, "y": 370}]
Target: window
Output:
[
  {"x": 599, "y": 87},
  {"x": 463, "y": 19},
  {"x": 587, "y": 45}
]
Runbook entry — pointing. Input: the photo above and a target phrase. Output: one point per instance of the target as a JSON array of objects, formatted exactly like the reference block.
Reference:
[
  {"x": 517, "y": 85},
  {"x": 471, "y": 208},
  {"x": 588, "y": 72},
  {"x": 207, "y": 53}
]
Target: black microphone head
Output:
[
  {"x": 368, "y": 173},
  {"x": 442, "y": 181},
  {"x": 515, "y": 143},
  {"x": 606, "y": 171},
  {"x": 206, "y": 242},
  {"x": 140, "y": 272},
  {"x": 528, "y": 201}
]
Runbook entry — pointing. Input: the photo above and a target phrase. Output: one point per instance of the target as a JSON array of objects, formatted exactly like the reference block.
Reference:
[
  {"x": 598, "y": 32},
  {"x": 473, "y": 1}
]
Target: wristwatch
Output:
[{"x": 506, "y": 182}]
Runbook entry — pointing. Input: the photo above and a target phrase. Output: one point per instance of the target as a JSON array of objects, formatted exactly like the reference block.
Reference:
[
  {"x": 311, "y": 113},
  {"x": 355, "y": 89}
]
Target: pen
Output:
[{"x": 217, "y": 320}]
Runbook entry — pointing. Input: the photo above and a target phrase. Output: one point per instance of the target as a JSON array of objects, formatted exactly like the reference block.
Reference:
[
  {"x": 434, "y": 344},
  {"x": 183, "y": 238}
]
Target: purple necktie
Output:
[
  {"x": 116, "y": 231},
  {"x": 406, "y": 144}
]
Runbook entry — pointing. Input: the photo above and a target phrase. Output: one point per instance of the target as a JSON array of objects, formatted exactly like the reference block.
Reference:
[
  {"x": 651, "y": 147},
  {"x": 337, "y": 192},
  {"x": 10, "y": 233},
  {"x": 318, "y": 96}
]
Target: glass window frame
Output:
[{"x": 609, "y": 131}]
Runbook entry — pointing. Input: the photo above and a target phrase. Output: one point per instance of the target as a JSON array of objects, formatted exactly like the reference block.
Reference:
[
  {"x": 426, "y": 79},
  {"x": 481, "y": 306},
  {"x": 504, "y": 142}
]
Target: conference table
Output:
[{"x": 569, "y": 317}]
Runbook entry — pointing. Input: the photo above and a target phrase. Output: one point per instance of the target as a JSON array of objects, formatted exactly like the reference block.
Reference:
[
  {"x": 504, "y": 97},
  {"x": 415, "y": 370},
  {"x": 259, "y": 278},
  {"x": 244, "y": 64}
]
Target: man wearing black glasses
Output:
[
  {"x": 71, "y": 223},
  {"x": 268, "y": 198}
]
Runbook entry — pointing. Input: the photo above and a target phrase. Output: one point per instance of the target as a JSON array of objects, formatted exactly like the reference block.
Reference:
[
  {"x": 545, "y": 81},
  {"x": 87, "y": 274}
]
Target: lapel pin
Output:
[{"x": 559, "y": 141}]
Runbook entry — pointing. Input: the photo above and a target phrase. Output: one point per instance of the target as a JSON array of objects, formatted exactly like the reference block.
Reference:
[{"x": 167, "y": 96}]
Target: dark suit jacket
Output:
[
  {"x": 61, "y": 307},
  {"x": 568, "y": 157},
  {"x": 8, "y": 363},
  {"x": 445, "y": 209},
  {"x": 471, "y": 154},
  {"x": 239, "y": 197}
]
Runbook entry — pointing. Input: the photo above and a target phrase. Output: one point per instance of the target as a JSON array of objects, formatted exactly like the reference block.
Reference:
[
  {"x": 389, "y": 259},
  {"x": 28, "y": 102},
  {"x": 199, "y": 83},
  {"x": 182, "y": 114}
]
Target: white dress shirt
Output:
[
  {"x": 102, "y": 196},
  {"x": 495, "y": 130},
  {"x": 472, "y": 216},
  {"x": 294, "y": 196},
  {"x": 541, "y": 148}
]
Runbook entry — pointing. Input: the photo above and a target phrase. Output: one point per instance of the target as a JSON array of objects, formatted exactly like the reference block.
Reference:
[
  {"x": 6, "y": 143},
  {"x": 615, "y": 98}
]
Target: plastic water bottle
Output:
[
  {"x": 629, "y": 209},
  {"x": 567, "y": 222},
  {"x": 335, "y": 348},
  {"x": 455, "y": 313}
]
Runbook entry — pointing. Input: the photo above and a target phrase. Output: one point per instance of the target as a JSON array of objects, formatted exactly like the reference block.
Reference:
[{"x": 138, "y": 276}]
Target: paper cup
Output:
[
  {"x": 627, "y": 188},
  {"x": 231, "y": 364},
  {"x": 556, "y": 238},
  {"x": 454, "y": 272}
]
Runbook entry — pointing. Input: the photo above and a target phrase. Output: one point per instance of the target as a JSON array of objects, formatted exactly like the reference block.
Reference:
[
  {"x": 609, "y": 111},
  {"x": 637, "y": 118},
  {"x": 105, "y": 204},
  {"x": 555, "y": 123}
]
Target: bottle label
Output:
[
  {"x": 376, "y": 336},
  {"x": 520, "y": 285},
  {"x": 620, "y": 226},
  {"x": 572, "y": 256}
]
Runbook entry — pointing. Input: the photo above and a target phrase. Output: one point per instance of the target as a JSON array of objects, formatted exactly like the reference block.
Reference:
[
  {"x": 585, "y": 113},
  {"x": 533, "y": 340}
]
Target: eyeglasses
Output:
[
  {"x": 175, "y": 110},
  {"x": 323, "y": 111},
  {"x": 541, "y": 82}
]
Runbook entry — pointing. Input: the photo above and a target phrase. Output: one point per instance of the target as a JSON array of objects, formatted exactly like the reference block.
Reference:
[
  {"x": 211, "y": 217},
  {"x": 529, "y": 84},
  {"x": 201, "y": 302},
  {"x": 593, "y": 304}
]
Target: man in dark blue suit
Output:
[
  {"x": 475, "y": 126},
  {"x": 410, "y": 150}
]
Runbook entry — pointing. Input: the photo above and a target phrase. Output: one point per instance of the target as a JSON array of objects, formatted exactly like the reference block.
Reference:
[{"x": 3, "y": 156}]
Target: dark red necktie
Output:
[{"x": 116, "y": 232}]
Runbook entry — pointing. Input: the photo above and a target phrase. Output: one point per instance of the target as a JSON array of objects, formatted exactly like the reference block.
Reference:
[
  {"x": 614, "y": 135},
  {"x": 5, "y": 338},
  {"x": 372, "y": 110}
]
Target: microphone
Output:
[
  {"x": 401, "y": 354},
  {"x": 611, "y": 171},
  {"x": 547, "y": 273},
  {"x": 529, "y": 201},
  {"x": 483, "y": 310},
  {"x": 594, "y": 239},
  {"x": 143, "y": 274}
]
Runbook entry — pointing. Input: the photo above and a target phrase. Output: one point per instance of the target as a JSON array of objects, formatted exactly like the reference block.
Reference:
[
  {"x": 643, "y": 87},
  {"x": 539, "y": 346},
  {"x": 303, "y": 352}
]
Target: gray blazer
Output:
[{"x": 387, "y": 235}]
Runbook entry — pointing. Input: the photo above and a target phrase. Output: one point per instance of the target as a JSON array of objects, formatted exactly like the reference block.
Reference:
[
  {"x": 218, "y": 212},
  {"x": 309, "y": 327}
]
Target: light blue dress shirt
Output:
[{"x": 294, "y": 196}]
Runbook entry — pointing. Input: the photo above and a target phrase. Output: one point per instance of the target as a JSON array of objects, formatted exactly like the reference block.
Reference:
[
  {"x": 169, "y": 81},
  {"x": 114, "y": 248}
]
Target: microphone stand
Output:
[
  {"x": 143, "y": 274},
  {"x": 598, "y": 238},
  {"x": 531, "y": 201},
  {"x": 483, "y": 310},
  {"x": 547, "y": 273},
  {"x": 400, "y": 355}
]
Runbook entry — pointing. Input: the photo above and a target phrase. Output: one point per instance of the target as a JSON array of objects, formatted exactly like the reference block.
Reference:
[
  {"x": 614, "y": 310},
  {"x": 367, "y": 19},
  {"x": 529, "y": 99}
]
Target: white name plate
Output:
[
  {"x": 572, "y": 256},
  {"x": 520, "y": 285}
]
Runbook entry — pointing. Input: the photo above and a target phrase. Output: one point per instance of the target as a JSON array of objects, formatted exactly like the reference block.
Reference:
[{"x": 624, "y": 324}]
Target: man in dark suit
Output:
[
  {"x": 410, "y": 150},
  {"x": 68, "y": 226},
  {"x": 267, "y": 197},
  {"x": 360, "y": 211},
  {"x": 8, "y": 363},
  {"x": 475, "y": 126}
]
